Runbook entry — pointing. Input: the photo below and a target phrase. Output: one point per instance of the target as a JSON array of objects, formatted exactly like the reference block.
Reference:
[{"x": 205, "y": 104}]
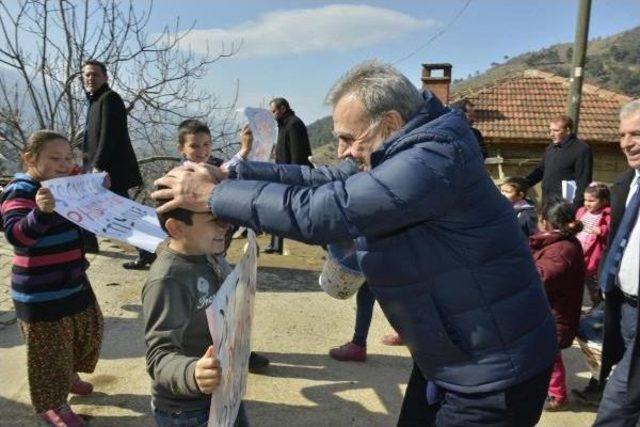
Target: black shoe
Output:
[
  {"x": 90, "y": 242},
  {"x": 257, "y": 363},
  {"x": 139, "y": 263},
  {"x": 591, "y": 394},
  {"x": 91, "y": 248},
  {"x": 269, "y": 250}
]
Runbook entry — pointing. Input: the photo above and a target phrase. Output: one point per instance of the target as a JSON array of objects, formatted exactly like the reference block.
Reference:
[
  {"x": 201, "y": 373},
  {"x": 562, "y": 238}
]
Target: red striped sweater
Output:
[{"x": 48, "y": 275}]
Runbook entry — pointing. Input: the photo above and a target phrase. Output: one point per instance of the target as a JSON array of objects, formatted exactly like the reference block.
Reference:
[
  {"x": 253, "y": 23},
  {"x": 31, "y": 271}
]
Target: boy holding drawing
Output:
[{"x": 182, "y": 283}]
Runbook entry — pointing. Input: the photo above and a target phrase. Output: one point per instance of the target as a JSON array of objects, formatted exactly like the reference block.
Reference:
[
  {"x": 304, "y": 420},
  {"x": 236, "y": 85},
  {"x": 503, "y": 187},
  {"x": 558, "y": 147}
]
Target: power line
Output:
[{"x": 436, "y": 35}]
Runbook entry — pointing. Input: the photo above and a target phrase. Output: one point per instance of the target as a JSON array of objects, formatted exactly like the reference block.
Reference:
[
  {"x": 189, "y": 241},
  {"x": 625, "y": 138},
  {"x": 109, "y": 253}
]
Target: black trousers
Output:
[
  {"x": 277, "y": 243},
  {"x": 520, "y": 405},
  {"x": 616, "y": 409}
]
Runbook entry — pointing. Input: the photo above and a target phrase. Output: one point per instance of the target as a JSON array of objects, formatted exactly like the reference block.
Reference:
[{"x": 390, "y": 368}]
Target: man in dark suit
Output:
[
  {"x": 566, "y": 158},
  {"x": 107, "y": 146},
  {"x": 292, "y": 147},
  {"x": 619, "y": 277}
]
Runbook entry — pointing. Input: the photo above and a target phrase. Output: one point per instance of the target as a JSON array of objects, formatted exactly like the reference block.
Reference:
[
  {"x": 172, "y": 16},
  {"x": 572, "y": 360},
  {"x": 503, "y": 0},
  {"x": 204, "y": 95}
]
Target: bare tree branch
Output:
[
  {"x": 158, "y": 158},
  {"x": 43, "y": 44}
]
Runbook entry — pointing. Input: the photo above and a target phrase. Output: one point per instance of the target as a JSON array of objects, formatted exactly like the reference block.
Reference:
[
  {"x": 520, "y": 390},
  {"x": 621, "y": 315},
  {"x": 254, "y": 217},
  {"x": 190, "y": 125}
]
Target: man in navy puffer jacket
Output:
[{"x": 439, "y": 245}]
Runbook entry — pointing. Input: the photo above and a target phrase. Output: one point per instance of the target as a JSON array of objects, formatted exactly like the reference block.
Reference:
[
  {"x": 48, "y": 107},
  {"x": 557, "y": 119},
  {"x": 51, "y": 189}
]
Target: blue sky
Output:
[{"x": 297, "y": 49}]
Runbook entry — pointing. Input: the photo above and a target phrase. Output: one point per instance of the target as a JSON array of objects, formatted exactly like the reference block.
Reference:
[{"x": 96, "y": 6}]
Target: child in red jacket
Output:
[
  {"x": 595, "y": 216},
  {"x": 560, "y": 262}
]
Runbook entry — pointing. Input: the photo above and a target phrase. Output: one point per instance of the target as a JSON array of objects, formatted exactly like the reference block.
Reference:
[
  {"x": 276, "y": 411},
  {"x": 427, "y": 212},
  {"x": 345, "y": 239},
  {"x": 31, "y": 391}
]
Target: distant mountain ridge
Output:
[
  {"x": 612, "y": 63},
  {"x": 320, "y": 132},
  {"x": 323, "y": 143}
]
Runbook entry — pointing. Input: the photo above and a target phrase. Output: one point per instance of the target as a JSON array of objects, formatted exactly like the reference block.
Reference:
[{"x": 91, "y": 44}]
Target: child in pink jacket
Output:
[{"x": 595, "y": 216}]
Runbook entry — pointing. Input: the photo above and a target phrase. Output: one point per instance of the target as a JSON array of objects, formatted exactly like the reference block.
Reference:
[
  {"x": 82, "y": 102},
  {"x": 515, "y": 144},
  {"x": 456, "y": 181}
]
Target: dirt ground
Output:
[{"x": 296, "y": 324}]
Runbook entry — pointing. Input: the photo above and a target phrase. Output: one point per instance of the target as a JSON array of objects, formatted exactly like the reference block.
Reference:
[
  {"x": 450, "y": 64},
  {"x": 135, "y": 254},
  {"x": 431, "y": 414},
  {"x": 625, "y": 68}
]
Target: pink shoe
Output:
[
  {"x": 62, "y": 417},
  {"x": 79, "y": 387},
  {"x": 392, "y": 339},
  {"x": 553, "y": 404},
  {"x": 349, "y": 352},
  {"x": 52, "y": 418}
]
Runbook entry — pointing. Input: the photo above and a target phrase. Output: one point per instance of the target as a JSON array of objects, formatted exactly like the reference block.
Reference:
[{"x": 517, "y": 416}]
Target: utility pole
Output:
[{"x": 577, "y": 66}]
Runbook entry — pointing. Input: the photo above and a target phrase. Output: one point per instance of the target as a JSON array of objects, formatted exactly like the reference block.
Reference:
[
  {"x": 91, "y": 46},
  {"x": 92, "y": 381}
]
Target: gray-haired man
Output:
[
  {"x": 438, "y": 244},
  {"x": 619, "y": 277}
]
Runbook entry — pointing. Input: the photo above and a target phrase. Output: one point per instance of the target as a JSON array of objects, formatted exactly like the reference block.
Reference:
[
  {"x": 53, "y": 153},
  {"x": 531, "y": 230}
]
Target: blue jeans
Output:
[
  {"x": 197, "y": 418},
  {"x": 614, "y": 409},
  {"x": 364, "y": 312}
]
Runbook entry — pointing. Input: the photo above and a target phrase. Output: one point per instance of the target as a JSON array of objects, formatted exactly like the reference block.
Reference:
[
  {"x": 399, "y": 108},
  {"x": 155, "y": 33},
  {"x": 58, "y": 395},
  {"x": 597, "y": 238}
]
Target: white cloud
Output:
[{"x": 335, "y": 28}]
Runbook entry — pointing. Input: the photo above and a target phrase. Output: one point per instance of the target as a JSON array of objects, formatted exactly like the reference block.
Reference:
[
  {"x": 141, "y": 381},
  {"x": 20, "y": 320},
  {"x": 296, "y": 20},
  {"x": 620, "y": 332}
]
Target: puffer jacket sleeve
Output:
[
  {"x": 295, "y": 174},
  {"x": 412, "y": 187}
]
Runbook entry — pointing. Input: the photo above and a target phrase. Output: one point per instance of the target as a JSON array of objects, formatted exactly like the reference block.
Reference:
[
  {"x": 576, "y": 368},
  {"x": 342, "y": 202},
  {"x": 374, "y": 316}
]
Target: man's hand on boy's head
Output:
[
  {"x": 188, "y": 187},
  {"x": 207, "y": 372}
]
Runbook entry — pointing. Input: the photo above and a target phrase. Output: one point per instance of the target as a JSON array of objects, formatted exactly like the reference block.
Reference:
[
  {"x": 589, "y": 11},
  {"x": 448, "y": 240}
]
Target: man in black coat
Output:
[
  {"x": 106, "y": 146},
  {"x": 292, "y": 147},
  {"x": 620, "y": 405},
  {"x": 566, "y": 158}
]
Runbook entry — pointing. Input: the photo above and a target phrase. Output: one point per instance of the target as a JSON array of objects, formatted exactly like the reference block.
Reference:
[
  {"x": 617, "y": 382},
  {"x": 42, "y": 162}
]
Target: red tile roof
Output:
[{"x": 520, "y": 106}]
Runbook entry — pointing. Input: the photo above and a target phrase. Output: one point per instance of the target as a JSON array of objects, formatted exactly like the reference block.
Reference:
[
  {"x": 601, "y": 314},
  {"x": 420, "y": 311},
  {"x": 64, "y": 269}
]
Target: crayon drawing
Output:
[{"x": 230, "y": 318}]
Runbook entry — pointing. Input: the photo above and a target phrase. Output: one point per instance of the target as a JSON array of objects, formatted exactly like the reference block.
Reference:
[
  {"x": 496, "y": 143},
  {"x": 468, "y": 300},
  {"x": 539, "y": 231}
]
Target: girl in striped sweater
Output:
[{"x": 57, "y": 311}]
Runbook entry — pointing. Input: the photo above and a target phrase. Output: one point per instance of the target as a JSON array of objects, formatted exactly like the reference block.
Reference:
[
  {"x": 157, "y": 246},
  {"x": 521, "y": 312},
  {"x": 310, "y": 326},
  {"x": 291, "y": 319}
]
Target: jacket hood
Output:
[
  {"x": 438, "y": 122},
  {"x": 523, "y": 205},
  {"x": 546, "y": 238}
]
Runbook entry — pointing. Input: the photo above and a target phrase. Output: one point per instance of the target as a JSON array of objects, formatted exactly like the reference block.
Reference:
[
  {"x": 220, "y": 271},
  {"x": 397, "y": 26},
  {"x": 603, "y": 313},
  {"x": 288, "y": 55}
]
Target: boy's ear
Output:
[{"x": 174, "y": 227}]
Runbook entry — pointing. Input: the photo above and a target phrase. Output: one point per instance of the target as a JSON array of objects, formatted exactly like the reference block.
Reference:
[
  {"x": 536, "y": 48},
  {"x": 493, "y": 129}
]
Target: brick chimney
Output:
[{"x": 438, "y": 85}]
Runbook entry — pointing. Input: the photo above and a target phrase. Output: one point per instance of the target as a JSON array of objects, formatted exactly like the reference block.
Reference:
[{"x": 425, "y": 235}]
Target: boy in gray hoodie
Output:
[{"x": 182, "y": 283}]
